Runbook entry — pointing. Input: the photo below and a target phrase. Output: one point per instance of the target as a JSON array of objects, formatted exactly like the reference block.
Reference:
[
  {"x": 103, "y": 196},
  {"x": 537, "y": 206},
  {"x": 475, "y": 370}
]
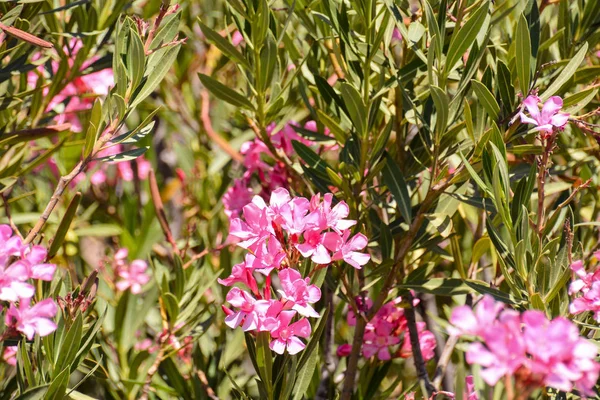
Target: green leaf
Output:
[
  {"x": 486, "y": 99},
  {"x": 357, "y": 111},
  {"x": 268, "y": 62},
  {"x": 394, "y": 180},
  {"x": 158, "y": 73},
  {"x": 171, "y": 306},
  {"x": 440, "y": 99},
  {"x": 58, "y": 387},
  {"x": 64, "y": 225},
  {"x": 223, "y": 44},
  {"x": 305, "y": 375},
  {"x": 137, "y": 134},
  {"x": 136, "y": 59},
  {"x": 69, "y": 346},
  {"x": 99, "y": 230},
  {"x": 225, "y": 93},
  {"x": 566, "y": 74},
  {"x": 434, "y": 29},
  {"x": 464, "y": 37},
  {"x": 454, "y": 287},
  {"x": 36, "y": 393},
  {"x": 264, "y": 359},
  {"x": 312, "y": 159},
  {"x": 91, "y": 135},
  {"x": 124, "y": 156},
  {"x": 523, "y": 54}
]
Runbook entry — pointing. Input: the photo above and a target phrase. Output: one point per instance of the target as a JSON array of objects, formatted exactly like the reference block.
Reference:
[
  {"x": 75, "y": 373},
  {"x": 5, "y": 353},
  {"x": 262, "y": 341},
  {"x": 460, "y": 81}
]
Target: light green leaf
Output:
[
  {"x": 440, "y": 99},
  {"x": 523, "y": 54},
  {"x": 486, "y": 98},
  {"x": 356, "y": 108},
  {"x": 566, "y": 74},
  {"x": 225, "y": 93},
  {"x": 463, "y": 38}
]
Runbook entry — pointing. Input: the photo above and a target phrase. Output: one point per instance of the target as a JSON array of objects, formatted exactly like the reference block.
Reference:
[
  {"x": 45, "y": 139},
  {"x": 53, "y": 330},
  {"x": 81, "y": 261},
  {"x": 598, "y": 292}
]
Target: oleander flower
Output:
[{"x": 549, "y": 119}]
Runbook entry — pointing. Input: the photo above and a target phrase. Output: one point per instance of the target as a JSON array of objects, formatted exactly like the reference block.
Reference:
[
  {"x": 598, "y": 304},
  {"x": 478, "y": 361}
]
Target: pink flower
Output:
[
  {"x": 346, "y": 250},
  {"x": 466, "y": 322},
  {"x": 251, "y": 311},
  {"x": 236, "y": 198},
  {"x": 9, "y": 355},
  {"x": 379, "y": 340},
  {"x": 145, "y": 344},
  {"x": 427, "y": 343},
  {"x": 549, "y": 119},
  {"x": 470, "y": 392},
  {"x": 313, "y": 247},
  {"x": 31, "y": 320},
  {"x": 242, "y": 273},
  {"x": 588, "y": 286},
  {"x": 299, "y": 292},
  {"x": 255, "y": 226},
  {"x": 133, "y": 276},
  {"x": 324, "y": 216},
  {"x": 286, "y": 335},
  {"x": 547, "y": 353},
  {"x": 12, "y": 283},
  {"x": 237, "y": 38},
  {"x": 269, "y": 256}
]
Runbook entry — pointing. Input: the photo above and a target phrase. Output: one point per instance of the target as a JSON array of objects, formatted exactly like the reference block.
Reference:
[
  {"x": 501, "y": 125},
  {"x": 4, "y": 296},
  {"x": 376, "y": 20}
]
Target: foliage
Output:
[{"x": 135, "y": 135}]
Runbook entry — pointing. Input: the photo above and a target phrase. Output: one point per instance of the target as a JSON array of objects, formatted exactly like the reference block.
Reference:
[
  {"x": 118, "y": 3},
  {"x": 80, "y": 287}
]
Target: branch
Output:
[
  {"x": 411, "y": 321},
  {"x": 160, "y": 211}
]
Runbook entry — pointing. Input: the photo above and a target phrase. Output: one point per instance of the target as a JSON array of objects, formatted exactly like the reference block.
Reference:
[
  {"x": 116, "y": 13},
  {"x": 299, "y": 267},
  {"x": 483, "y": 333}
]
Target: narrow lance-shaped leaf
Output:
[
  {"x": 225, "y": 93},
  {"x": 64, "y": 225},
  {"x": 486, "y": 99},
  {"x": 566, "y": 74},
  {"x": 394, "y": 180},
  {"x": 523, "y": 54},
  {"x": 464, "y": 36}
]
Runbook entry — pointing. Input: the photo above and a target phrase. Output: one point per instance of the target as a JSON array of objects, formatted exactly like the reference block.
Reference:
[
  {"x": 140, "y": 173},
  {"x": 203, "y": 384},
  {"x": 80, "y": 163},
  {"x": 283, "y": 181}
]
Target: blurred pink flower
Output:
[
  {"x": 427, "y": 343},
  {"x": 9, "y": 355},
  {"x": 344, "y": 350},
  {"x": 132, "y": 276},
  {"x": 236, "y": 197},
  {"x": 588, "y": 287},
  {"x": 548, "y": 352}
]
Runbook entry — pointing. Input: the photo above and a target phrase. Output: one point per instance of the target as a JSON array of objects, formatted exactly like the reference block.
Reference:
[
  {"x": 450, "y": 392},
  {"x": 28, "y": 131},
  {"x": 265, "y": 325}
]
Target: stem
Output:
[
  {"x": 160, "y": 211},
  {"x": 444, "y": 360},
  {"x": 541, "y": 182},
  {"x": 328, "y": 367},
  {"x": 65, "y": 180},
  {"x": 415, "y": 345}
]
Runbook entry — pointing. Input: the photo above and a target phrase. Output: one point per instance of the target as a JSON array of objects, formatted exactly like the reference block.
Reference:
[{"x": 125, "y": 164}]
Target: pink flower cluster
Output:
[
  {"x": 269, "y": 176},
  {"x": 19, "y": 264},
  {"x": 385, "y": 330},
  {"x": 278, "y": 236},
  {"x": 537, "y": 351},
  {"x": 588, "y": 287},
  {"x": 547, "y": 121},
  {"x": 132, "y": 275}
]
